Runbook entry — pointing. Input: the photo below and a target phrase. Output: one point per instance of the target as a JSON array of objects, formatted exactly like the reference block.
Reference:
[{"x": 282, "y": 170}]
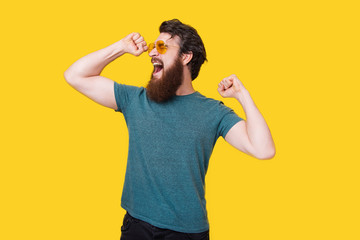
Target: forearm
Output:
[
  {"x": 257, "y": 128},
  {"x": 93, "y": 63}
]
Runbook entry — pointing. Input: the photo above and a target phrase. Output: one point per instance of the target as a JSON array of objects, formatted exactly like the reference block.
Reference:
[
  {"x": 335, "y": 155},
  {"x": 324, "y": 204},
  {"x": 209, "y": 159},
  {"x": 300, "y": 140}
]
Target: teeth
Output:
[{"x": 156, "y": 64}]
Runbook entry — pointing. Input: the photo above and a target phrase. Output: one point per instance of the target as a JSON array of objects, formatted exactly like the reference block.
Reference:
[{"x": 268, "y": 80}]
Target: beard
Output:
[{"x": 164, "y": 88}]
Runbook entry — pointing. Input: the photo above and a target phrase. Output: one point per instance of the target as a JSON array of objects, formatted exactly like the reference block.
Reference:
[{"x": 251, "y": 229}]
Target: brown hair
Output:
[{"x": 190, "y": 41}]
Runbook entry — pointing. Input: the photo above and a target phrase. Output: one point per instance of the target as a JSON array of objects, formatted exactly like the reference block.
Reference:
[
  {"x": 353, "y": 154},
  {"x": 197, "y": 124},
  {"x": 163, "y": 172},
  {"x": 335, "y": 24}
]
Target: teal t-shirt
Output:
[{"x": 169, "y": 149}]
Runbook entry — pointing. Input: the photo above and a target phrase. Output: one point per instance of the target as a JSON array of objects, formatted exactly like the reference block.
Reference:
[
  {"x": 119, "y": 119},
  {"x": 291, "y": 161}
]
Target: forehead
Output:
[{"x": 166, "y": 37}]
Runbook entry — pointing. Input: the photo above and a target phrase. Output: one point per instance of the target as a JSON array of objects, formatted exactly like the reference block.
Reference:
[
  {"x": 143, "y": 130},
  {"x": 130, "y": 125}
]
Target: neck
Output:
[{"x": 186, "y": 87}]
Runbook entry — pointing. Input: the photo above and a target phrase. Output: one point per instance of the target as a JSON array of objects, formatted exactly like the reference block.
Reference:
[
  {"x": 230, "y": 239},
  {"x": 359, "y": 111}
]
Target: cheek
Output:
[{"x": 168, "y": 63}]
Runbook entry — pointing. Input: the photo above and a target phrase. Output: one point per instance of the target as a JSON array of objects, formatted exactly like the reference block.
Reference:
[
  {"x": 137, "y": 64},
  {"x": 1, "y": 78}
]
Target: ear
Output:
[{"x": 186, "y": 58}]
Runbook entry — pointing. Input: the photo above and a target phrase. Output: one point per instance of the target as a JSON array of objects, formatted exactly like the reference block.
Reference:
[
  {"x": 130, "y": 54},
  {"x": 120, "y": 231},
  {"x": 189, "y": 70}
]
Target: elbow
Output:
[
  {"x": 69, "y": 77},
  {"x": 267, "y": 155}
]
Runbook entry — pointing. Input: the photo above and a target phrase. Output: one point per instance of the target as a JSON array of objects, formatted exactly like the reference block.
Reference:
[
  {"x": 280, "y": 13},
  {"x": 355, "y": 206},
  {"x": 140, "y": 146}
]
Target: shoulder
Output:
[
  {"x": 207, "y": 100},
  {"x": 125, "y": 94},
  {"x": 127, "y": 90},
  {"x": 127, "y": 87},
  {"x": 213, "y": 103}
]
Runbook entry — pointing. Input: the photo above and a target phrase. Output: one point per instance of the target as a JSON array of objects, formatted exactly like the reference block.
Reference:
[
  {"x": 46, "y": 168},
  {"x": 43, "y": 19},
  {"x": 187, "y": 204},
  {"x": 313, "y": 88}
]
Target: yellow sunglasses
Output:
[{"x": 161, "y": 47}]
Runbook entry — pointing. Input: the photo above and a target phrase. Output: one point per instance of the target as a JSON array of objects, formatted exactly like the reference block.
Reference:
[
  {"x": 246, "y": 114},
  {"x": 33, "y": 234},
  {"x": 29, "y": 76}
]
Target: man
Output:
[{"x": 172, "y": 130}]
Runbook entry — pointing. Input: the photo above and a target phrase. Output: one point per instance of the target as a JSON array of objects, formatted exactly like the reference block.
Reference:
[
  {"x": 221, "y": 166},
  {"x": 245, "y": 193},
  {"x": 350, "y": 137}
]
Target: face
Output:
[
  {"x": 167, "y": 75},
  {"x": 163, "y": 61}
]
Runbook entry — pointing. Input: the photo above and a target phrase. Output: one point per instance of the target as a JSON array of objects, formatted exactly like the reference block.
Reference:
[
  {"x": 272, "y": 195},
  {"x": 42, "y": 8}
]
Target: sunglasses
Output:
[{"x": 160, "y": 45}]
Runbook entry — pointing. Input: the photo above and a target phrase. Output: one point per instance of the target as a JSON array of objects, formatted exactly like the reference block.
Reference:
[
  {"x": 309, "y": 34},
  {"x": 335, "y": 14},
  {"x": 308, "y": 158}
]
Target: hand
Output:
[
  {"x": 134, "y": 44},
  {"x": 231, "y": 87}
]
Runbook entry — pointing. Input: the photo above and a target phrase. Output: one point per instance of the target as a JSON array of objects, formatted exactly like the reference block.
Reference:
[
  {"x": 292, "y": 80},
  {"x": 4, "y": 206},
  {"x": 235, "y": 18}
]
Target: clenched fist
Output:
[
  {"x": 231, "y": 87},
  {"x": 134, "y": 44}
]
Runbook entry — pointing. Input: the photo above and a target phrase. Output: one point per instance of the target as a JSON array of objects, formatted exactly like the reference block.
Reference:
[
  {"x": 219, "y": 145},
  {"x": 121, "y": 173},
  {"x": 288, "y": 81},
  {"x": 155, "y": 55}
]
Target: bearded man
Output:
[{"x": 172, "y": 130}]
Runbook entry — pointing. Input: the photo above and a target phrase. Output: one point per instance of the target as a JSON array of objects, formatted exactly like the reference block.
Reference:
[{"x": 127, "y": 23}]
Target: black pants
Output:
[{"x": 135, "y": 229}]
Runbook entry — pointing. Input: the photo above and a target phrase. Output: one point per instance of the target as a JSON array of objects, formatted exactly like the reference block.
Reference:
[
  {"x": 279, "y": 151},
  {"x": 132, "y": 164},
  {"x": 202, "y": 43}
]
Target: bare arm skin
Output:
[
  {"x": 84, "y": 74},
  {"x": 252, "y": 136}
]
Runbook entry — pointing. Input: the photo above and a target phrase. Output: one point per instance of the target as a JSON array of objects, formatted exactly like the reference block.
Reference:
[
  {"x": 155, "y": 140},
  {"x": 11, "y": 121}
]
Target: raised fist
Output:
[
  {"x": 134, "y": 44},
  {"x": 231, "y": 87}
]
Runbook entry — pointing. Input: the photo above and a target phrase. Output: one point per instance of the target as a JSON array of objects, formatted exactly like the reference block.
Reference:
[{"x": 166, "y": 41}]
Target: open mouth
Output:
[{"x": 157, "y": 67}]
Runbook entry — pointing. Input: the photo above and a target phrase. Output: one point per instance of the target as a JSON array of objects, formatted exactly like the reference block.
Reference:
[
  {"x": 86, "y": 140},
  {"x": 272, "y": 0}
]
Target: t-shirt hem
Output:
[
  {"x": 160, "y": 225},
  {"x": 116, "y": 98},
  {"x": 231, "y": 125}
]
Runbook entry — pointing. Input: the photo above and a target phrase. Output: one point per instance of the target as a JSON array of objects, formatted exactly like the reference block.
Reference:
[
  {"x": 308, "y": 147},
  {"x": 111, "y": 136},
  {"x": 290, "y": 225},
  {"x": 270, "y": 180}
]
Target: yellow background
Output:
[{"x": 63, "y": 156}]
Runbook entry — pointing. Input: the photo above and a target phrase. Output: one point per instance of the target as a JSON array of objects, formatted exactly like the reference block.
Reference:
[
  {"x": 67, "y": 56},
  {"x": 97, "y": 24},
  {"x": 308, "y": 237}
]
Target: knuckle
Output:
[{"x": 136, "y": 35}]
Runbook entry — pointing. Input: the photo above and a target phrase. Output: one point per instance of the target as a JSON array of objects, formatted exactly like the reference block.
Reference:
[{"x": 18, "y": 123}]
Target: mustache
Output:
[{"x": 156, "y": 60}]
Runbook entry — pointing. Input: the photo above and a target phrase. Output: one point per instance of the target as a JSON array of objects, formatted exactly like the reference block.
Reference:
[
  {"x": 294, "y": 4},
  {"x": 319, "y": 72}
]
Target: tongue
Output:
[{"x": 157, "y": 69}]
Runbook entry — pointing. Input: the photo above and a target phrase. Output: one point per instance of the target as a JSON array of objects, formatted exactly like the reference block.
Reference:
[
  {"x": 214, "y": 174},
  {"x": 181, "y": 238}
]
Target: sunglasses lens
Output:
[
  {"x": 151, "y": 47},
  {"x": 160, "y": 47}
]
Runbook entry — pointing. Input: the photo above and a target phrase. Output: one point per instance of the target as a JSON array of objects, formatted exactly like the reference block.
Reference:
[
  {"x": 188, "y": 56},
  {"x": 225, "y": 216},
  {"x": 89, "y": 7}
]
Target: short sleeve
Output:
[
  {"x": 228, "y": 118},
  {"x": 123, "y": 95}
]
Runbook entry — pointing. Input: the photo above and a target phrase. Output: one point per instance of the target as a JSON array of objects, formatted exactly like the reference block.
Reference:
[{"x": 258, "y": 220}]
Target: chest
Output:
[{"x": 181, "y": 124}]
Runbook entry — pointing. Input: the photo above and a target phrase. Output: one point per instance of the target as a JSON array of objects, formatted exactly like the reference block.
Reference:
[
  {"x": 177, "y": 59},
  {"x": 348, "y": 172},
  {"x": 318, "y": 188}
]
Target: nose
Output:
[{"x": 153, "y": 53}]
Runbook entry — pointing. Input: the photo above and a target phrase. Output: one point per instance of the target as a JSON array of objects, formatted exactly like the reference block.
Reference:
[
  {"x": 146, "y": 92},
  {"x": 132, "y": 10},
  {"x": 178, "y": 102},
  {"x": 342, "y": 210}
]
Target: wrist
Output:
[
  {"x": 117, "y": 49},
  {"x": 245, "y": 100},
  {"x": 242, "y": 95}
]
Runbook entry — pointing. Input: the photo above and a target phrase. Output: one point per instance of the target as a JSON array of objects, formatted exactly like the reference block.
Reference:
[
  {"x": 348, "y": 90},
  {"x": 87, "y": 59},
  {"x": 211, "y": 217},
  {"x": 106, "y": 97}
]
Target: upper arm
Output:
[
  {"x": 238, "y": 138},
  {"x": 98, "y": 88}
]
